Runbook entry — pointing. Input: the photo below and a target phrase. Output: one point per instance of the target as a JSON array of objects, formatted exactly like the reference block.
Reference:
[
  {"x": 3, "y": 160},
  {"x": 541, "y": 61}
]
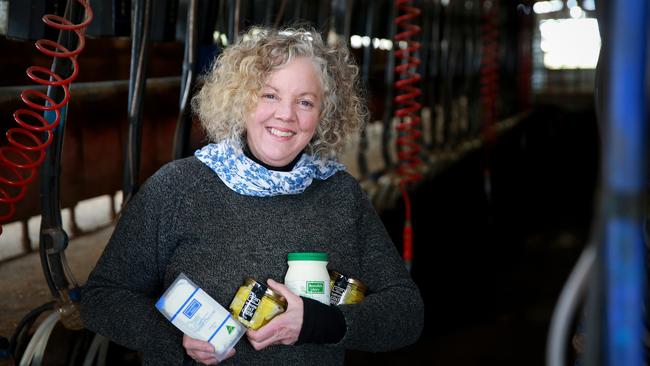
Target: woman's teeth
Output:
[{"x": 279, "y": 133}]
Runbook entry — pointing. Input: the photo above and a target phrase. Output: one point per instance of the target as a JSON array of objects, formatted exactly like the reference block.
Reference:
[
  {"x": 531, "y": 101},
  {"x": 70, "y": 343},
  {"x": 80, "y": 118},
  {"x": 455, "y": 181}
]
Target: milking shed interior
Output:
[{"x": 511, "y": 134}]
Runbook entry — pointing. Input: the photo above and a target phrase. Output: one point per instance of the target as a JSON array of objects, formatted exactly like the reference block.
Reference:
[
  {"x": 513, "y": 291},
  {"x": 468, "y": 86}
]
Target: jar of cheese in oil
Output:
[
  {"x": 255, "y": 304},
  {"x": 345, "y": 290}
]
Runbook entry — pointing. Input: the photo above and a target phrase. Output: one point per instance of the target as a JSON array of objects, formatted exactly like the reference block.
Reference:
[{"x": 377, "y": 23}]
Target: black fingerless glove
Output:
[{"x": 321, "y": 323}]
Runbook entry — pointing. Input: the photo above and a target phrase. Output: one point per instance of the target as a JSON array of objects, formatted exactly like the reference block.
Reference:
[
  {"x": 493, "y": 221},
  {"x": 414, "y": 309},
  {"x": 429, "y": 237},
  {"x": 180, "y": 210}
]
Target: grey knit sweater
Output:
[{"x": 184, "y": 219}]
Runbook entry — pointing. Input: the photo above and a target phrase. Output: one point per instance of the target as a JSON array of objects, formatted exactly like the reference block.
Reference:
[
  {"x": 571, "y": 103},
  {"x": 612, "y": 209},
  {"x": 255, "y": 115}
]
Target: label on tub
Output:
[{"x": 317, "y": 290}]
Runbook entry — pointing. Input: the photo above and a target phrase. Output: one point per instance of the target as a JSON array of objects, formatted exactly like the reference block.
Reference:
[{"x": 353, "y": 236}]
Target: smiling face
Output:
[{"x": 287, "y": 113}]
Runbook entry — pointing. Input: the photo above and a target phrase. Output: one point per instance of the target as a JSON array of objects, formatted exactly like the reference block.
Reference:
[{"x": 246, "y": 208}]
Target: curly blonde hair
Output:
[{"x": 231, "y": 89}]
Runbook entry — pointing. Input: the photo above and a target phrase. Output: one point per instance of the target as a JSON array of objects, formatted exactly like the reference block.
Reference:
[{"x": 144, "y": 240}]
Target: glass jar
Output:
[
  {"x": 255, "y": 304},
  {"x": 307, "y": 275},
  {"x": 346, "y": 290}
]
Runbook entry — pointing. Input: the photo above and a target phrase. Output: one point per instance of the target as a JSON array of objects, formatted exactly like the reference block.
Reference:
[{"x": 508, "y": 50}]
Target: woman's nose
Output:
[{"x": 285, "y": 111}]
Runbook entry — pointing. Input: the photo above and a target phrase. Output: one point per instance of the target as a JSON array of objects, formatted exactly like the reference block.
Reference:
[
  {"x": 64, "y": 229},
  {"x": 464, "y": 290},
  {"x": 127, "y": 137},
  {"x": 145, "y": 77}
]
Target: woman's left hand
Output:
[
  {"x": 284, "y": 328},
  {"x": 202, "y": 351}
]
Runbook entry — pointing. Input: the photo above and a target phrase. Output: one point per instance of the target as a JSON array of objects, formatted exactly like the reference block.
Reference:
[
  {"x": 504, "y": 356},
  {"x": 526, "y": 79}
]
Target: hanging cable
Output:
[
  {"x": 408, "y": 114},
  {"x": 21, "y": 160},
  {"x": 22, "y": 329},
  {"x": 574, "y": 289},
  {"x": 36, "y": 346},
  {"x": 97, "y": 351}
]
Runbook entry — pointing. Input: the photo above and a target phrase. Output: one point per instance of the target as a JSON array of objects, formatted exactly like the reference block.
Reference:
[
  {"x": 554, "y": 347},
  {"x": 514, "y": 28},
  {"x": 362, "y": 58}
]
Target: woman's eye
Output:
[
  {"x": 268, "y": 96},
  {"x": 306, "y": 103}
]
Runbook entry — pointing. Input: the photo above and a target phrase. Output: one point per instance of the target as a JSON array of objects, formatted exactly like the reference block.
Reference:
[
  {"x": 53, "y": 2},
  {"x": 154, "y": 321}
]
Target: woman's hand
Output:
[
  {"x": 202, "y": 351},
  {"x": 284, "y": 328}
]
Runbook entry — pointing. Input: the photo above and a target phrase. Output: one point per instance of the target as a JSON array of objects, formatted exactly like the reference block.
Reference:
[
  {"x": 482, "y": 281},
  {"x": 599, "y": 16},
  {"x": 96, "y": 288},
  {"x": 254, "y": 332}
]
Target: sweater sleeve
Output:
[
  {"x": 118, "y": 301},
  {"x": 392, "y": 314}
]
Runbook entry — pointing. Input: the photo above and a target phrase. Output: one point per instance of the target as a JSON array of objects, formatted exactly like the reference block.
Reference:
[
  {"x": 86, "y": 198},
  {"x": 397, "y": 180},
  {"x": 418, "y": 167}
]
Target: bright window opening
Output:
[{"x": 570, "y": 43}]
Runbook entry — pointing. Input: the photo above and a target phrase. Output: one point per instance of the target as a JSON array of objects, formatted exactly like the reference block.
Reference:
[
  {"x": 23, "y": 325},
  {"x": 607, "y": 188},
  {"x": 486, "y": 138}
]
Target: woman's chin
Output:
[{"x": 278, "y": 157}]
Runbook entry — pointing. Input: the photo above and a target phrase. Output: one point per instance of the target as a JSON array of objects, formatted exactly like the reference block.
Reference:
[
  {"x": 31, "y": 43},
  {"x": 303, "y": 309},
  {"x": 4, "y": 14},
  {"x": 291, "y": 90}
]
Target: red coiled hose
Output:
[
  {"x": 20, "y": 161},
  {"x": 489, "y": 80},
  {"x": 408, "y": 127}
]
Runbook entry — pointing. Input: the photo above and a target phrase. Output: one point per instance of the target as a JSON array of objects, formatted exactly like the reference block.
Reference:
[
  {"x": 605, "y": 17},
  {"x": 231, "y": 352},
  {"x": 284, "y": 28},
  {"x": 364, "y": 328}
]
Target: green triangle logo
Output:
[{"x": 230, "y": 328}]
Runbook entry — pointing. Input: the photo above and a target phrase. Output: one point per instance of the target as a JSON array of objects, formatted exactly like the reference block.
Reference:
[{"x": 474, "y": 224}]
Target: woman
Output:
[{"x": 278, "y": 106}]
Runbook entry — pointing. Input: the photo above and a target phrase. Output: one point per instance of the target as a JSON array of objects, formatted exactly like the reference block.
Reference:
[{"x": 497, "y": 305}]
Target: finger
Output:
[
  {"x": 280, "y": 288},
  {"x": 261, "y": 345},
  {"x": 230, "y": 354},
  {"x": 262, "y": 337},
  {"x": 207, "y": 358},
  {"x": 212, "y": 360},
  {"x": 188, "y": 341},
  {"x": 253, "y": 335},
  {"x": 203, "y": 355},
  {"x": 195, "y": 344},
  {"x": 269, "y": 331},
  {"x": 261, "y": 334}
]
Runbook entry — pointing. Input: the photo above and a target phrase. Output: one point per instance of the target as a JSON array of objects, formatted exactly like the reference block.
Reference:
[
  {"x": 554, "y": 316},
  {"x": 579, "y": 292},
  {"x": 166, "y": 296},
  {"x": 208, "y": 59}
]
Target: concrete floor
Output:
[{"x": 23, "y": 285}]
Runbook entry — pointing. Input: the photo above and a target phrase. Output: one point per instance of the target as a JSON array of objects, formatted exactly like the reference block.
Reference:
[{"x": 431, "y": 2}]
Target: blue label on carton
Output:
[{"x": 192, "y": 308}]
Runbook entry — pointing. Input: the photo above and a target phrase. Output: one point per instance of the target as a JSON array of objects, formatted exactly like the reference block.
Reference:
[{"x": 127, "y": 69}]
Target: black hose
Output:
[
  {"x": 47, "y": 273},
  {"x": 231, "y": 32},
  {"x": 362, "y": 160},
  {"x": 433, "y": 76},
  {"x": 50, "y": 246},
  {"x": 184, "y": 124},
  {"x": 137, "y": 84},
  {"x": 446, "y": 69},
  {"x": 389, "y": 106}
]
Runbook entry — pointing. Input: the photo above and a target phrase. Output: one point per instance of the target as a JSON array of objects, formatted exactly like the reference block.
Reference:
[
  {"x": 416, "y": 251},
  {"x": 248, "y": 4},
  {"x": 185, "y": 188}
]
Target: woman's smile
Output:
[{"x": 280, "y": 132}]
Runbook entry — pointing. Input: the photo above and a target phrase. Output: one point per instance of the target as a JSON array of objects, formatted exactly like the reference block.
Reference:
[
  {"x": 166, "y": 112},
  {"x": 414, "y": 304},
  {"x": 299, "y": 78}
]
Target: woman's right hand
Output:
[{"x": 202, "y": 351}]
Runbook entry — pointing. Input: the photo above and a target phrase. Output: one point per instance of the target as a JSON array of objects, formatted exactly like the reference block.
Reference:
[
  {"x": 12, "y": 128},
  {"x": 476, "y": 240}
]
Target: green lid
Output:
[{"x": 307, "y": 256}]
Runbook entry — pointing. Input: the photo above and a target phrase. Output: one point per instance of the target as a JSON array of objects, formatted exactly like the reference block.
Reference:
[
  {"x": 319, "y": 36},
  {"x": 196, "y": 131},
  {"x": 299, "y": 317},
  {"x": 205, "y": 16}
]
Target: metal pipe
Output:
[
  {"x": 624, "y": 180},
  {"x": 93, "y": 89},
  {"x": 137, "y": 83}
]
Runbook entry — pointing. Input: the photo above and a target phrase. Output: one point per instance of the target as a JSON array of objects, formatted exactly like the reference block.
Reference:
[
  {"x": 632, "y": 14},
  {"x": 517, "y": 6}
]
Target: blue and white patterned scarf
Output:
[{"x": 246, "y": 177}]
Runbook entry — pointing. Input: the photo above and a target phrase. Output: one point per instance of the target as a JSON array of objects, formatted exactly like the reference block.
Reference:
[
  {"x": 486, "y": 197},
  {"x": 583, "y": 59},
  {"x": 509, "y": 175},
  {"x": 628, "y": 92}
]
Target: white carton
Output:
[{"x": 199, "y": 316}]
